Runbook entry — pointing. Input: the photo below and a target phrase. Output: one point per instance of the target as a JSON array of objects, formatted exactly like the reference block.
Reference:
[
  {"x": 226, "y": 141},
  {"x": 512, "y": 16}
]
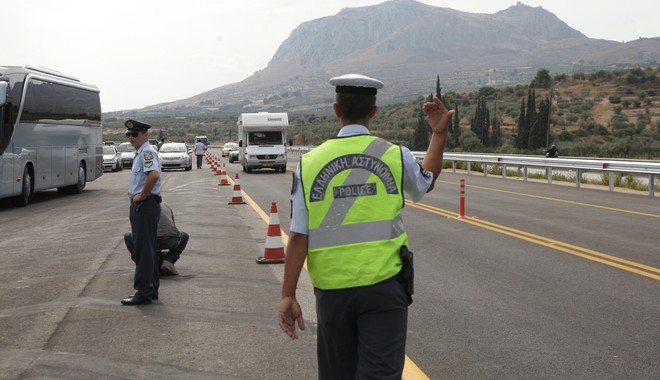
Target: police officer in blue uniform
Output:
[
  {"x": 346, "y": 201},
  {"x": 144, "y": 214}
]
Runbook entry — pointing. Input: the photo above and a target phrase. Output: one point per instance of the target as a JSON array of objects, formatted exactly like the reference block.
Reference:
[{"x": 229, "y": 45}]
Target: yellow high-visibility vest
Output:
[{"x": 354, "y": 196}]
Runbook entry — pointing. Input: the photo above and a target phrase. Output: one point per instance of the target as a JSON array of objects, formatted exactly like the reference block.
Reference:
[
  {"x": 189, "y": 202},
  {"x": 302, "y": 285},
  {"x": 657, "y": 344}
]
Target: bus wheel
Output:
[
  {"x": 26, "y": 192},
  {"x": 82, "y": 179},
  {"x": 78, "y": 187}
]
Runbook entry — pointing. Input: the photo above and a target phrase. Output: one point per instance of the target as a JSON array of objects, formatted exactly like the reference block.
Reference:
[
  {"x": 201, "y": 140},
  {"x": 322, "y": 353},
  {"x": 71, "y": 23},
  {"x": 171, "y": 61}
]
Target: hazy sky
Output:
[{"x": 143, "y": 52}]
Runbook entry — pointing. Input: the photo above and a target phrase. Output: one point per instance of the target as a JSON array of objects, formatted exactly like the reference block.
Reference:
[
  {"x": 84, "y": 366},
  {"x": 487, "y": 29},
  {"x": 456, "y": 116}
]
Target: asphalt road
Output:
[{"x": 537, "y": 281}]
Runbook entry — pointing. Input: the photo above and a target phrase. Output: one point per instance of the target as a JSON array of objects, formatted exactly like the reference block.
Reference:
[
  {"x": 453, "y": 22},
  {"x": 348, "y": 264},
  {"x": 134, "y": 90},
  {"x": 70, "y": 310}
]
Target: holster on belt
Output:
[{"x": 407, "y": 273}]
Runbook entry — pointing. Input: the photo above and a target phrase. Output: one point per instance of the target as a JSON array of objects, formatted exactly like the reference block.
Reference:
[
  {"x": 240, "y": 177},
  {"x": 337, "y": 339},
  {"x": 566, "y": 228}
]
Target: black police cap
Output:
[{"x": 136, "y": 126}]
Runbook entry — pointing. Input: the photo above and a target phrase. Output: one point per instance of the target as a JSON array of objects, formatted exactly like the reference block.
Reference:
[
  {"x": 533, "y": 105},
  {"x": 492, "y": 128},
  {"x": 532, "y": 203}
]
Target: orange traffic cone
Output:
[
  {"x": 236, "y": 195},
  {"x": 274, "y": 252},
  {"x": 223, "y": 178}
]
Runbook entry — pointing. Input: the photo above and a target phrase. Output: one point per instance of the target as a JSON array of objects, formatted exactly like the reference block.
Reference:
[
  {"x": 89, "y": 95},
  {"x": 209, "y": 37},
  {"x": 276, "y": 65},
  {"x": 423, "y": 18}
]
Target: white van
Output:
[
  {"x": 204, "y": 140},
  {"x": 262, "y": 138}
]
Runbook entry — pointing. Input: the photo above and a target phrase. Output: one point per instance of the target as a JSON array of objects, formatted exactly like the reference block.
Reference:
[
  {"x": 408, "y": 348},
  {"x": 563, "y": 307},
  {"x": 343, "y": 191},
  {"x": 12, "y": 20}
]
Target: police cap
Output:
[
  {"x": 356, "y": 84},
  {"x": 136, "y": 126}
]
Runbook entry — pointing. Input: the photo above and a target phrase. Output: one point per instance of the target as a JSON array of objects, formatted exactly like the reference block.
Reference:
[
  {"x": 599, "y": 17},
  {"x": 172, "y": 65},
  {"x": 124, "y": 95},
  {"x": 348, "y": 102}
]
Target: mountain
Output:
[{"x": 408, "y": 44}]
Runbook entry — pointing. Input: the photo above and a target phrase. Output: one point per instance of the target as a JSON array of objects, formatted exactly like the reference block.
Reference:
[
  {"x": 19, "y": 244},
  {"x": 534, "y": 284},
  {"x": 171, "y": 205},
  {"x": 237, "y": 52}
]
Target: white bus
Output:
[{"x": 50, "y": 133}]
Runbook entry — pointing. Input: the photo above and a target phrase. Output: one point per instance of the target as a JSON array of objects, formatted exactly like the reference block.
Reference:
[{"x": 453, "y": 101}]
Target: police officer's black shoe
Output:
[
  {"x": 154, "y": 297},
  {"x": 136, "y": 299}
]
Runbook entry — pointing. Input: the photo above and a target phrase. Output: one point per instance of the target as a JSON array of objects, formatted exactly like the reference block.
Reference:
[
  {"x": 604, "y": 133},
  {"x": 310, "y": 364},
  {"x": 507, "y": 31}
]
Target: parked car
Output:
[
  {"x": 112, "y": 158},
  {"x": 127, "y": 154},
  {"x": 233, "y": 155},
  {"x": 175, "y": 156},
  {"x": 227, "y": 148}
]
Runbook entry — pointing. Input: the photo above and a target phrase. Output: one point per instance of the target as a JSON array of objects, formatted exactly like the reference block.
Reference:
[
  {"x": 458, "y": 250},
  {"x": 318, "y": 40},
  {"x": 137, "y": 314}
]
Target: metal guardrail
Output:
[{"x": 580, "y": 166}]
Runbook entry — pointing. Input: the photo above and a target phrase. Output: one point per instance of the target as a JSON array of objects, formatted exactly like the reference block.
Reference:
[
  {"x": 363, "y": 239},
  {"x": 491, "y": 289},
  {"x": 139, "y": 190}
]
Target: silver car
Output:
[
  {"x": 233, "y": 155},
  {"x": 227, "y": 148},
  {"x": 127, "y": 154},
  {"x": 111, "y": 158},
  {"x": 175, "y": 156}
]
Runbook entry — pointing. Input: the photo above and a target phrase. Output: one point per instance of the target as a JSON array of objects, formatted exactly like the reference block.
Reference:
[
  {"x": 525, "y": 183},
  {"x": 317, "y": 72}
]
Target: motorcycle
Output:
[{"x": 553, "y": 152}]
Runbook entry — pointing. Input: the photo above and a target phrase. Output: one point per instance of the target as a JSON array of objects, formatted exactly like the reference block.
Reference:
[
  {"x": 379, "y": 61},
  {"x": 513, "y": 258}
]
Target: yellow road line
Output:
[
  {"x": 657, "y": 216},
  {"x": 589, "y": 254},
  {"x": 265, "y": 217},
  {"x": 412, "y": 372}
]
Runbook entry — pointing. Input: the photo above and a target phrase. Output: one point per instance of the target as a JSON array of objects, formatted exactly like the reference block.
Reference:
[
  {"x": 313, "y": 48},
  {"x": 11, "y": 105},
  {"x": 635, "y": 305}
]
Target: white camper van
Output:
[
  {"x": 203, "y": 139},
  {"x": 262, "y": 138}
]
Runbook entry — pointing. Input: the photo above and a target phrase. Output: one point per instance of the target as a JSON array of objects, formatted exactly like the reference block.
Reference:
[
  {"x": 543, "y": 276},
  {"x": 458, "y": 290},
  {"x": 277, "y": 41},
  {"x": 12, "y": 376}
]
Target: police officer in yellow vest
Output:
[{"x": 346, "y": 222}]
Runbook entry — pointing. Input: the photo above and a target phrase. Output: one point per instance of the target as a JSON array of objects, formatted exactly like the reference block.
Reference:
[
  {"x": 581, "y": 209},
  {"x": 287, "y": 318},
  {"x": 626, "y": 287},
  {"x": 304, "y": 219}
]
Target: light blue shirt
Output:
[
  {"x": 146, "y": 160},
  {"x": 416, "y": 181},
  {"x": 199, "y": 148}
]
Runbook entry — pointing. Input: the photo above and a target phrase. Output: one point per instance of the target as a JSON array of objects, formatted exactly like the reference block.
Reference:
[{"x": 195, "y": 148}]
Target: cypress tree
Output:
[
  {"x": 480, "y": 122},
  {"x": 531, "y": 119},
  {"x": 486, "y": 126},
  {"x": 420, "y": 137},
  {"x": 537, "y": 135},
  {"x": 496, "y": 132},
  {"x": 522, "y": 130}
]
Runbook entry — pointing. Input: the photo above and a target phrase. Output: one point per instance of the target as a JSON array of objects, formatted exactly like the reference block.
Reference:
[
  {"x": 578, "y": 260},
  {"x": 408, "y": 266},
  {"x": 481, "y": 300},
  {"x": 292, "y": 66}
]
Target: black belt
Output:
[
  {"x": 385, "y": 281},
  {"x": 156, "y": 197}
]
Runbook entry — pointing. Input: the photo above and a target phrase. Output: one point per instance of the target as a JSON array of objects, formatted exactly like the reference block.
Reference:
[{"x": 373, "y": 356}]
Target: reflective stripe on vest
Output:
[
  {"x": 361, "y": 249},
  {"x": 356, "y": 233}
]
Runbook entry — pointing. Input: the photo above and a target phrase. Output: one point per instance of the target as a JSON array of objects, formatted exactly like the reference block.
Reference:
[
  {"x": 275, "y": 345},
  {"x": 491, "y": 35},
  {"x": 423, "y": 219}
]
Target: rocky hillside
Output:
[{"x": 407, "y": 44}]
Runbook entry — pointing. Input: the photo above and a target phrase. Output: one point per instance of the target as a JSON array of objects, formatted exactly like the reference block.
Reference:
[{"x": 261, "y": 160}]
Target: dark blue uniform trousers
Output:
[
  {"x": 362, "y": 331},
  {"x": 144, "y": 218}
]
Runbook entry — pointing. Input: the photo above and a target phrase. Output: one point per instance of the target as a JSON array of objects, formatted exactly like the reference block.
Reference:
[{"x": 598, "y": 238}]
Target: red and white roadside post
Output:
[{"x": 462, "y": 204}]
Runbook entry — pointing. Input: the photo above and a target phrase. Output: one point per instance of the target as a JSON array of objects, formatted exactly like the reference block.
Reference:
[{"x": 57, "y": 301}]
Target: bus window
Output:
[
  {"x": 5, "y": 118},
  {"x": 50, "y": 102},
  {"x": 3, "y": 93}
]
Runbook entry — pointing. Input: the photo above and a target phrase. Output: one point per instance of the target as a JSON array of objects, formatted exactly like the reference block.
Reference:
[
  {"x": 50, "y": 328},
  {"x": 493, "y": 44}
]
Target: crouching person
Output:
[{"x": 170, "y": 243}]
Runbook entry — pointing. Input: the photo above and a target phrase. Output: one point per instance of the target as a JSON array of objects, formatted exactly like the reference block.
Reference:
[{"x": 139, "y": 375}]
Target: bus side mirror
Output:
[
  {"x": 3, "y": 93},
  {"x": 240, "y": 143}
]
